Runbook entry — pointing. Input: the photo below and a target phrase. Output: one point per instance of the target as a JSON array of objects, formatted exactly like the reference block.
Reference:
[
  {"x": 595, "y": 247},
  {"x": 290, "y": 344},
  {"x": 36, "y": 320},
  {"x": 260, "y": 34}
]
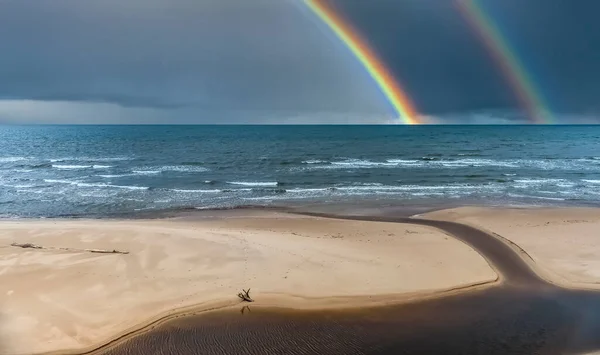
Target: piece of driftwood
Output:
[
  {"x": 26, "y": 245},
  {"x": 101, "y": 251},
  {"x": 245, "y": 296}
]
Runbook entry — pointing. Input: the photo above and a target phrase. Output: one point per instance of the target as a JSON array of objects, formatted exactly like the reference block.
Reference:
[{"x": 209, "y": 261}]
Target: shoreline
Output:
[{"x": 366, "y": 205}]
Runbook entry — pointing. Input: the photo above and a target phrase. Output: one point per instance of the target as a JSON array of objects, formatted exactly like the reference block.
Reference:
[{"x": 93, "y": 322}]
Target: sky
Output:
[{"x": 273, "y": 61}]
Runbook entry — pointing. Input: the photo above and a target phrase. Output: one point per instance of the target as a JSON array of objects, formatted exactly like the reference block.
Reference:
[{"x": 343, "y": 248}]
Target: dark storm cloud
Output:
[
  {"x": 445, "y": 68},
  {"x": 193, "y": 60},
  {"x": 209, "y": 54}
]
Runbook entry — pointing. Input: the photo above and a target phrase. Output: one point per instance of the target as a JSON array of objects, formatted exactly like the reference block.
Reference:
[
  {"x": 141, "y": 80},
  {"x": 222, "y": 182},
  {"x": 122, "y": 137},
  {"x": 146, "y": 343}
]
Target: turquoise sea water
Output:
[{"x": 110, "y": 170}]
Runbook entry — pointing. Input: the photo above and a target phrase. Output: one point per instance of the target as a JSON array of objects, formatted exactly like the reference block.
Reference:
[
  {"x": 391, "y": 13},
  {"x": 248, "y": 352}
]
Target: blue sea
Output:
[{"x": 51, "y": 171}]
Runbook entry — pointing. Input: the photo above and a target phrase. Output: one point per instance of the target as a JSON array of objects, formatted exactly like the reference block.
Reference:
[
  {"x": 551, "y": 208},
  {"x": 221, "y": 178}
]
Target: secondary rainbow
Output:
[
  {"x": 525, "y": 89},
  {"x": 374, "y": 66}
]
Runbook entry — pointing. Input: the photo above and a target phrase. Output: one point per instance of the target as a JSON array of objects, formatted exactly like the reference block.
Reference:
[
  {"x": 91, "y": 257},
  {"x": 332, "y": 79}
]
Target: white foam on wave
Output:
[
  {"x": 27, "y": 186},
  {"x": 87, "y": 184},
  {"x": 173, "y": 168},
  {"x": 539, "y": 181},
  {"x": 184, "y": 168},
  {"x": 89, "y": 159},
  {"x": 109, "y": 176},
  {"x": 383, "y": 189},
  {"x": 416, "y": 187},
  {"x": 591, "y": 181},
  {"x": 314, "y": 161},
  {"x": 195, "y": 191},
  {"x": 459, "y": 163},
  {"x": 405, "y": 162},
  {"x": 361, "y": 163},
  {"x": 542, "y": 164},
  {"x": 71, "y": 167},
  {"x": 253, "y": 183},
  {"x": 537, "y": 197},
  {"x": 11, "y": 159},
  {"x": 411, "y": 163},
  {"x": 146, "y": 172},
  {"x": 80, "y": 167}
]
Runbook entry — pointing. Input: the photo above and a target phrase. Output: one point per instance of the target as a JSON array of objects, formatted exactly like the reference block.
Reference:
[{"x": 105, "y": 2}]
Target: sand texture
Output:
[
  {"x": 55, "y": 299},
  {"x": 564, "y": 243}
]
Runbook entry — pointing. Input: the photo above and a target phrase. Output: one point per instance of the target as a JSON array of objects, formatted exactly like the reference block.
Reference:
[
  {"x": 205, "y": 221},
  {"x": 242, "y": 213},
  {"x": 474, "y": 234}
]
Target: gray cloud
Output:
[{"x": 268, "y": 55}]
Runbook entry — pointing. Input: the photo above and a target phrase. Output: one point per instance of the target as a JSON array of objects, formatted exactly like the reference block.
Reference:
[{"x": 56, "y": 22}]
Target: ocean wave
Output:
[
  {"x": 428, "y": 162},
  {"x": 424, "y": 162},
  {"x": 89, "y": 159},
  {"x": 11, "y": 159},
  {"x": 314, "y": 161},
  {"x": 80, "y": 167},
  {"x": 170, "y": 168},
  {"x": 235, "y": 190},
  {"x": 71, "y": 167},
  {"x": 113, "y": 176},
  {"x": 537, "y": 197},
  {"x": 254, "y": 183},
  {"x": 591, "y": 181},
  {"x": 184, "y": 169},
  {"x": 360, "y": 163},
  {"x": 87, "y": 184},
  {"x": 195, "y": 191},
  {"x": 146, "y": 172},
  {"x": 392, "y": 189},
  {"x": 405, "y": 162},
  {"x": 26, "y": 186},
  {"x": 539, "y": 181}
]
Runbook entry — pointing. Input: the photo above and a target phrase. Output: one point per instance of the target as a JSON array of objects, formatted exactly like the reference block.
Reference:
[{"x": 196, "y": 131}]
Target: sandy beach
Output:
[
  {"x": 561, "y": 243},
  {"x": 65, "y": 297}
]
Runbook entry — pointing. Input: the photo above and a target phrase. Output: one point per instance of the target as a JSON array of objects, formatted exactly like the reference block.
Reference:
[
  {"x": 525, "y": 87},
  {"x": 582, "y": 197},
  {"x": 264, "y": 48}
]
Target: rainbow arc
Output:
[
  {"x": 369, "y": 60},
  {"x": 507, "y": 60}
]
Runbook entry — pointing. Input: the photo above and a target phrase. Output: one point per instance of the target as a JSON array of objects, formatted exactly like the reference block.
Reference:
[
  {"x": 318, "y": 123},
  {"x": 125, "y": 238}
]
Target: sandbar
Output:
[{"x": 64, "y": 297}]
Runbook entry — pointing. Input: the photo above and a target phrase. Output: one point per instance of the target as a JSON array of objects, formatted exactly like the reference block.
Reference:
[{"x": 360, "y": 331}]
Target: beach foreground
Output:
[{"x": 67, "y": 296}]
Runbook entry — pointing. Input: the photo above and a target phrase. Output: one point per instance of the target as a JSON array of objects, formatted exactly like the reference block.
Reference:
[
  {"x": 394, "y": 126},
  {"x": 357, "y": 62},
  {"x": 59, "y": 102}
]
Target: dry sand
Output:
[
  {"x": 564, "y": 243},
  {"x": 53, "y": 299}
]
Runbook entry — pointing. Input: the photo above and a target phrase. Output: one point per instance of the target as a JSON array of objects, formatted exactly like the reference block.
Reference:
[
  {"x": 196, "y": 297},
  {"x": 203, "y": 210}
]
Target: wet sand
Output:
[
  {"x": 63, "y": 296},
  {"x": 525, "y": 314},
  {"x": 502, "y": 320}
]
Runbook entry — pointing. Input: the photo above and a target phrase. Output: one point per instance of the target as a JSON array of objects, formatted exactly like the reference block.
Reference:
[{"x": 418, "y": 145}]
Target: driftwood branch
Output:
[
  {"x": 26, "y": 245},
  {"x": 245, "y": 296},
  {"x": 101, "y": 251}
]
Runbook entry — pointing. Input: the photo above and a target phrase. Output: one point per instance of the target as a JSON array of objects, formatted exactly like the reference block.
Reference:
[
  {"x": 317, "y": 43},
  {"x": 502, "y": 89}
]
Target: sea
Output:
[{"x": 96, "y": 171}]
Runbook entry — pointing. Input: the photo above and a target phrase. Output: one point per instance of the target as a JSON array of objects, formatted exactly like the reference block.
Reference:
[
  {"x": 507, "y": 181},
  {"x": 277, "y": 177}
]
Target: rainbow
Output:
[
  {"x": 519, "y": 79},
  {"x": 374, "y": 66}
]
